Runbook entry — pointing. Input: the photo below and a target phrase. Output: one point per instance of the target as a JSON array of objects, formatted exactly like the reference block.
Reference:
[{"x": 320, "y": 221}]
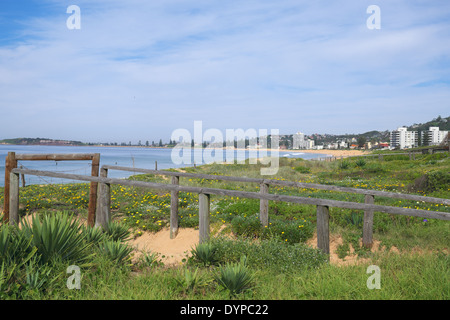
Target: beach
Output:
[
  {"x": 331, "y": 152},
  {"x": 336, "y": 153}
]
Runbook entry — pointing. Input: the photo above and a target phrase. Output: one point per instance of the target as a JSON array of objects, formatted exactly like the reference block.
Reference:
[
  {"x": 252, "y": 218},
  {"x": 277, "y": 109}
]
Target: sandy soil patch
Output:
[
  {"x": 352, "y": 258},
  {"x": 174, "y": 250}
]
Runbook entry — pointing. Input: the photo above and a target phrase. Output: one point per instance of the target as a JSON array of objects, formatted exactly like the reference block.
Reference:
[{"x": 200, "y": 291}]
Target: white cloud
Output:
[{"x": 145, "y": 68}]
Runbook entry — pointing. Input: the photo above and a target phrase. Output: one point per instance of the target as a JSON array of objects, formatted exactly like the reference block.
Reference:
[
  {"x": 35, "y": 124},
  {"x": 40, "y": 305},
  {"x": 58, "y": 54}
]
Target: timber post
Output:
[
  {"x": 174, "y": 208},
  {"x": 323, "y": 230},
  {"x": 10, "y": 163},
  {"x": 368, "y": 222},
  {"x": 204, "y": 201},
  {"x": 14, "y": 199},
  {"x": 103, "y": 214},
  {"x": 264, "y": 205},
  {"x": 93, "y": 189}
]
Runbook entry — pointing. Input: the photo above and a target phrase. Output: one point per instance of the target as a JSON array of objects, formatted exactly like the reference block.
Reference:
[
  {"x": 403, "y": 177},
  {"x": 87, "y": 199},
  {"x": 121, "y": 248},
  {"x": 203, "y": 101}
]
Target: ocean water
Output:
[{"x": 121, "y": 156}]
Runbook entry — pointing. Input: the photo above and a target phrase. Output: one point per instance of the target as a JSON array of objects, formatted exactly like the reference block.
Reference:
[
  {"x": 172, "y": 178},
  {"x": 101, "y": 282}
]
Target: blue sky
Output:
[{"x": 138, "y": 70}]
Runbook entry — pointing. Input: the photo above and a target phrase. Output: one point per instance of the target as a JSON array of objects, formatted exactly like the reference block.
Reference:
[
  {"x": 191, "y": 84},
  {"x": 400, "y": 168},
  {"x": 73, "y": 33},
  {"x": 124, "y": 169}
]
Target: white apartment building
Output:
[
  {"x": 299, "y": 142},
  {"x": 435, "y": 136},
  {"x": 403, "y": 139}
]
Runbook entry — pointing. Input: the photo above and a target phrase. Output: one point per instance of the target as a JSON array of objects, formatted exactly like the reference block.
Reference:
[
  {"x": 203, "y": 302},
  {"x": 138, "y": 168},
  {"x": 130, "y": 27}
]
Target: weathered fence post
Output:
[
  {"x": 93, "y": 190},
  {"x": 174, "y": 208},
  {"x": 380, "y": 157},
  {"x": 323, "y": 231},
  {"x": 10, "y": 163},
  {"x": 264, "y": 205},
  {"x": 203, "y": 215},
  {"x": 22, "y": 177},
  {"x": 103, "y": 216},
  {"x": 368, "y": 222},
  {"x": 156, "y": 165},
  {"x": 14, "y": 198}
]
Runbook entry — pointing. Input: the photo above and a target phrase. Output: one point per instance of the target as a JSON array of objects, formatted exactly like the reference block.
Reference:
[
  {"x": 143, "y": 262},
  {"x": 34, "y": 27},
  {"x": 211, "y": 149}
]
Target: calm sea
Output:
[{"x": 120, "y": 156}]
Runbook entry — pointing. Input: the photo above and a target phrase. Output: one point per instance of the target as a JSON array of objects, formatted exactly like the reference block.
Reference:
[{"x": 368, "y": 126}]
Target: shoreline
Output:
[{"x": 329, "y": 152}]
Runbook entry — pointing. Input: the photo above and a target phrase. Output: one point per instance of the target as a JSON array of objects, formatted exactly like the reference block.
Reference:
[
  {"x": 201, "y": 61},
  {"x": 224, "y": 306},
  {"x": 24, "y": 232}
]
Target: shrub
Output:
[
  {"x": 205, "y": 253},
  {"x": 290, "y": 232},
  {"x": 57, "y": 236},
  {"x": 93, "y": 235},
  {"x": 269, "y": 254},
  {"x": 360, "y": 162},
  {"x": 15, "y": 247},
  {"x": 235, "y": 277},
  {"x": 150, "y": 259},
  {"x": 344, "y": 164},
  {"x": 302, "y": 169},
  {"x": 116, "y": 251},
  {"x": 246, "y": 226},
  {"x": 117, "y": 231},
  {"x": 432, "y": 181},
  {"x": 190, "y": 280}
]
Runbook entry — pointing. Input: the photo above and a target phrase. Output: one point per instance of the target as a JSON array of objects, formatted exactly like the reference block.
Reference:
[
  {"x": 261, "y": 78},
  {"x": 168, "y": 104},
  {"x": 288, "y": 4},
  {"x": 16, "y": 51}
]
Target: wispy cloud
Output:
[{"x": 140, "y": 69}]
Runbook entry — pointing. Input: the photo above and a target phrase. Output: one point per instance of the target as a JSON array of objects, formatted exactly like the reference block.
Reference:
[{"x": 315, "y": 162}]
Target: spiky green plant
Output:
[
  {"x": 235, "y": 277},
  {"x": 189, "y": 279},
  {"x": 93, "y": 234},
  {"x": 15, "y": 246},
  {"x": 57, "y": 236},
  {"x": 205, "y": 253},
  {"x": 149, "y": 259},
  {"x": 117, "y": 231},
  {"x": 116, "y": 251}
]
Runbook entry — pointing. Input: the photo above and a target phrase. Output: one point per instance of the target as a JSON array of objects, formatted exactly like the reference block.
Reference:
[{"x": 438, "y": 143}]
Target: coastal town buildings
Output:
[
  {"x": 301, "y": 142},
  {"x": 433, "y": 136},
  {"x": 404, "y": 139}
]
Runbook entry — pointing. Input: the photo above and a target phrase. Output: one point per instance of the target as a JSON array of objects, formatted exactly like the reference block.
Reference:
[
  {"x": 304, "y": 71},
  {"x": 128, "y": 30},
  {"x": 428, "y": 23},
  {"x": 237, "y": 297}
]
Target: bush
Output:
[
  {"x": 117, "y": 231},
  {"x": 344, "y": 164},
  {"x": 93, "y": 235},
  {"x": 432, "y": 181},
  {"x": 190, "y": 280},
  {"x": 249, "y": 227},
  {"x": 205, "y": 253},
  {"x": 235, "y": 277},
  {"x": 360, "y": 162},
  {"x": 58, "y": 236},
  {"x": 290, "y": 232},
  {"x": 116, "y": 251},
  {"x": 302, "y": 169},
  {"x": 269, "y": 254}
]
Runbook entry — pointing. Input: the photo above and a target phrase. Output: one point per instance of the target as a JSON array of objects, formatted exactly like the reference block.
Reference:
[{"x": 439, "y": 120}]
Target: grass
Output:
[{"x": 280, "y": 264}]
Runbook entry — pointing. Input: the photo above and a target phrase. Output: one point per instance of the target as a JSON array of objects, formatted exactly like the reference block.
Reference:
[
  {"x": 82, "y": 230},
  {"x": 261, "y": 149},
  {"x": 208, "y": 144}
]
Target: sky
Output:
[{"x": 139, "y": 70}]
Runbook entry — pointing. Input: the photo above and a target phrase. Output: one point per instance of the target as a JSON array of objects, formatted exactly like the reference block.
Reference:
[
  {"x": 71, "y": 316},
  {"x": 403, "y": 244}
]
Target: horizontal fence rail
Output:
[
  {"x": 285, "y": 184},
  {"x": 103, "y": 209}
]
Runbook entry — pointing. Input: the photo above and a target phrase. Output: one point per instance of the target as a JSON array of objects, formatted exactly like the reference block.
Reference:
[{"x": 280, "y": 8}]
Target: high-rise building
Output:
[
  {"x": 403, "y": 139},
  {"x": 299, "y": 141},
  {"x": 433, "y": 136}
]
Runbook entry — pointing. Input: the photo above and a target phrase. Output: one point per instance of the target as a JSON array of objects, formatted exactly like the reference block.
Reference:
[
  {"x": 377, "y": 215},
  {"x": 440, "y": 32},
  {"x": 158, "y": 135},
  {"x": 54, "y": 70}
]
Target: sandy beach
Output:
[
  {"x": 336, "y": 153},
  {"x": 331, "y": 152}
]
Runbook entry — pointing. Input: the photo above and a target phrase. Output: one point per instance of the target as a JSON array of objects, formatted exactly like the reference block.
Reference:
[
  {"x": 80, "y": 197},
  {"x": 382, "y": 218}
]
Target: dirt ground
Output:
[{"x": 175, "y": 250}]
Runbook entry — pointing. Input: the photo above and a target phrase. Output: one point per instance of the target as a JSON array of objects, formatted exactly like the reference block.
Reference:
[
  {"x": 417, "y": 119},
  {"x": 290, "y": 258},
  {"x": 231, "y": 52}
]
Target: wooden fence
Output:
[
  {"x": 11, "y": 163},
  {"x": 103, "y": 214}
]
